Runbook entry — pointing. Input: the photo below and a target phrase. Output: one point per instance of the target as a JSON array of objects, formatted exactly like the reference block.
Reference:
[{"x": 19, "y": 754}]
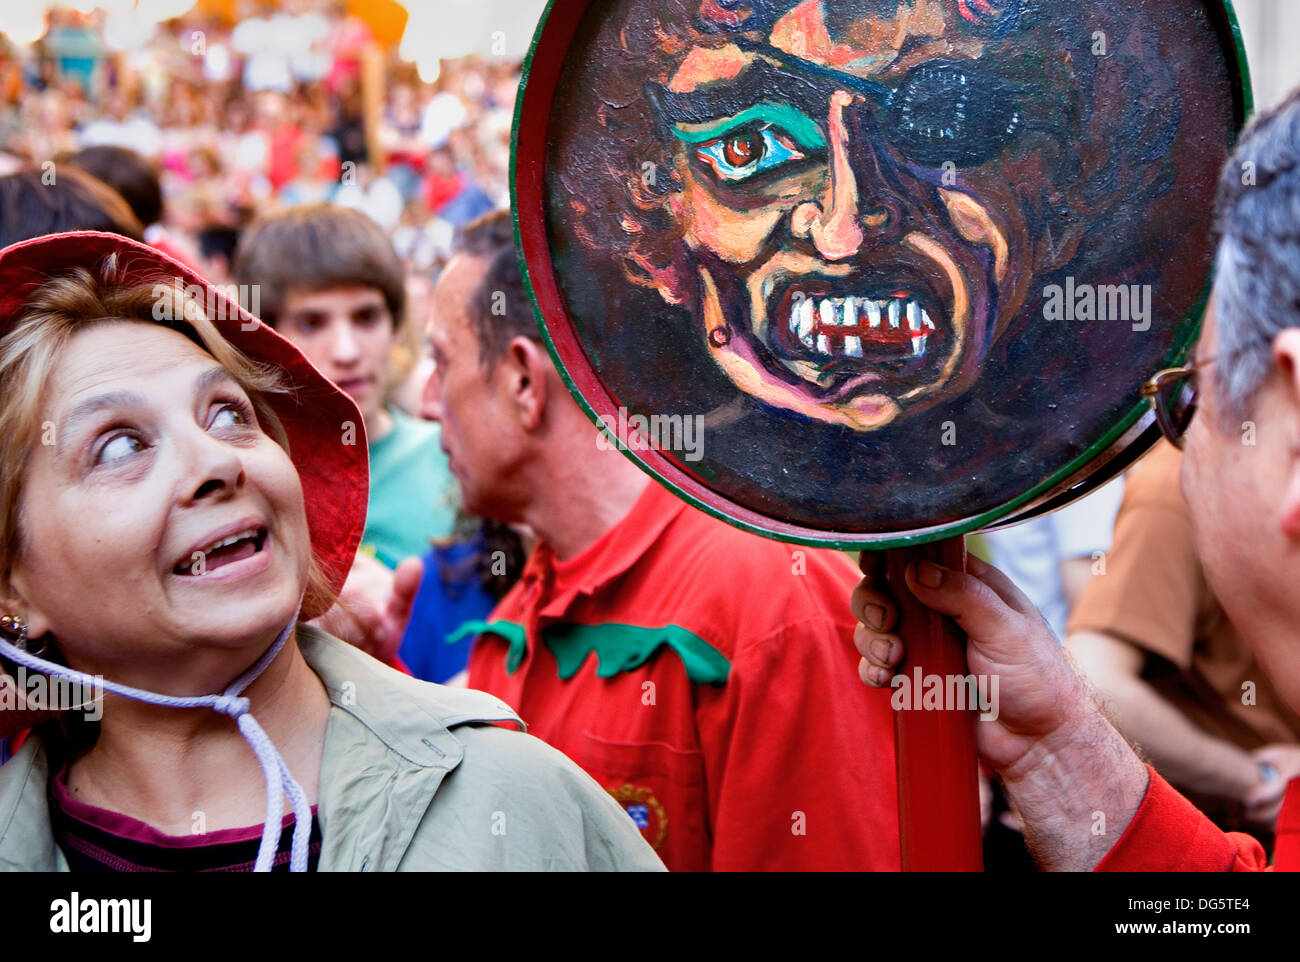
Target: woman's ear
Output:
[{"x": 13, "y": 602}]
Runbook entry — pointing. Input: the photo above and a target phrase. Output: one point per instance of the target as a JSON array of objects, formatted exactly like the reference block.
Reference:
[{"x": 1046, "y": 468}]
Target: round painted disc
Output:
[{"x": 873, "y": 272}]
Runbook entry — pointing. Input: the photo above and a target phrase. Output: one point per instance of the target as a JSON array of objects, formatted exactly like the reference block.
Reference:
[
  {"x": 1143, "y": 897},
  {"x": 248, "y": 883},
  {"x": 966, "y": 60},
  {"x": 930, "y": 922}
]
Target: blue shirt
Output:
[{"x": 450, "y": 595}]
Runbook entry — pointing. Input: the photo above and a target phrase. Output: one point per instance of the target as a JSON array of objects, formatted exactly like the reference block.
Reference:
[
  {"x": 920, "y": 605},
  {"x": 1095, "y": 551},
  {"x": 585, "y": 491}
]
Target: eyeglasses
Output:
[
  {"x": 1173, "y": 395},
  {"x": 1174, "y": 391}
]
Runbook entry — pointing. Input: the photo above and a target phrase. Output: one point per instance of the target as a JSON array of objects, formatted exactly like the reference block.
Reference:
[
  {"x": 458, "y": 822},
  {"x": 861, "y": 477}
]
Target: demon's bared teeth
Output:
[
  {"x": 801, "y": 321},
  {"x": 834, "y": 327}
]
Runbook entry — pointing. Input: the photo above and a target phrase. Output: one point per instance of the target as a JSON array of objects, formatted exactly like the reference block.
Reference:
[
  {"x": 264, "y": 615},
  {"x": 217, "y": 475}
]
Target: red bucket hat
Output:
[{"x": 335, "y": 476}]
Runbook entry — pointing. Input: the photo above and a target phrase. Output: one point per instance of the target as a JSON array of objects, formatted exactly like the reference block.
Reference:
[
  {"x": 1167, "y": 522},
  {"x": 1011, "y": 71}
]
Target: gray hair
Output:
[{"x": 1257, "y": 278}]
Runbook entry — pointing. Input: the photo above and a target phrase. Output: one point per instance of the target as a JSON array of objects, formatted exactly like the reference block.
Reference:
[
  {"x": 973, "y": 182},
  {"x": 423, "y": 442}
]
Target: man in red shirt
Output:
[
  {"x": 1086, "y": 798},
  {"x": 702, "y": 675}
]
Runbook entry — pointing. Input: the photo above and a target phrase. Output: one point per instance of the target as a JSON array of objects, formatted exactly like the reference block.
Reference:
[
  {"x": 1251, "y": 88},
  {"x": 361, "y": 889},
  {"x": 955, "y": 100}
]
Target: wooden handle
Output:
[{"x": 938, "y": 786}]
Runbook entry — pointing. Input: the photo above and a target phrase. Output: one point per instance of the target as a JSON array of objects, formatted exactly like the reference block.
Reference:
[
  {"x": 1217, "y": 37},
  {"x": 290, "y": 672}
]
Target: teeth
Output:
[
  {"x": 227, "y": 542},
  {"x": 813, "y": 314},
  {"x": 801, "y": 321},
  {"x": 250, "y": 533}
]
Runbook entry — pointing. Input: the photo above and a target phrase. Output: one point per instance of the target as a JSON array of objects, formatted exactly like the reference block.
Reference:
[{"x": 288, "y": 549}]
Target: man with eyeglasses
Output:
[
  {"x": 1087, "y": 799},
  {"x": 1173, "y": 670}
]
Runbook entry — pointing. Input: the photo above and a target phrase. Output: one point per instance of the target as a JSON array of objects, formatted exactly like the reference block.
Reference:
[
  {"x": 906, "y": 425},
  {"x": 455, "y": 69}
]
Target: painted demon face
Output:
[
  {"x": 855, "y": 242},
  {"x": 838, "y": 231}
]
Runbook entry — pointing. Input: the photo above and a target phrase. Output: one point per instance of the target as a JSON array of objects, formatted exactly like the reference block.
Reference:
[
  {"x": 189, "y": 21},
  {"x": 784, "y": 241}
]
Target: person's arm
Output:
[
  {"x": 1075, "y": 781},
  {"x": 1076, "y": 574},
  {"x": 1181, "y": 751}
]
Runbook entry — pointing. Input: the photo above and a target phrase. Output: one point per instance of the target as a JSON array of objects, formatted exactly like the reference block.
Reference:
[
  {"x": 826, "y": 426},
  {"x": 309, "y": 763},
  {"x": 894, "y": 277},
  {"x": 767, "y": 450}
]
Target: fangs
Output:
[
  {"x": 801, "y": 321},
  {"x": 814, "y": 322}
]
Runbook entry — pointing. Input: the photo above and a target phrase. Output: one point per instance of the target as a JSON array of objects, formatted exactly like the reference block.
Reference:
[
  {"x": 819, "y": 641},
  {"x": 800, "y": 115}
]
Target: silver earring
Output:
[{"x": 14, "y": 626}]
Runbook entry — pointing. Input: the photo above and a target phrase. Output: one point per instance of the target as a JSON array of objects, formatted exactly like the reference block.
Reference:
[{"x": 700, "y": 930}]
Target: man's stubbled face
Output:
[{"x": 856, "y": 250}]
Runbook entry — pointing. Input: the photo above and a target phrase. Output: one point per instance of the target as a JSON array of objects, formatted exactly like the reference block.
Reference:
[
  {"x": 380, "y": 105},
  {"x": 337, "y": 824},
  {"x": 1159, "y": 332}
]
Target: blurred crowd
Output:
[{"x": 294, "y": 103}]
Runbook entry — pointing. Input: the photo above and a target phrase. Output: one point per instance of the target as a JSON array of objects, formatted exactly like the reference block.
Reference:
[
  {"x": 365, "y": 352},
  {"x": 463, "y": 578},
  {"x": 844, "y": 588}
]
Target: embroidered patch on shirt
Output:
[{"x": 646, "y": 812}]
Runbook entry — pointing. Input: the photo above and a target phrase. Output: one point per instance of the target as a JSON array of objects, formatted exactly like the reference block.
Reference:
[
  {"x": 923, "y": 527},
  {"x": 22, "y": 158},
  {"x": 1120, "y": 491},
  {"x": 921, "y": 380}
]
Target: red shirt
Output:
[
  {"x": 1168, "y": 834},
  {"x": 722, "y": 708}
]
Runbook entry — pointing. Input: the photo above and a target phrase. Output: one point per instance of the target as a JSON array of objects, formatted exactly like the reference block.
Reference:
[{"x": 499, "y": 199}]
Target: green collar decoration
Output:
[{"x": 618, "y": 648}]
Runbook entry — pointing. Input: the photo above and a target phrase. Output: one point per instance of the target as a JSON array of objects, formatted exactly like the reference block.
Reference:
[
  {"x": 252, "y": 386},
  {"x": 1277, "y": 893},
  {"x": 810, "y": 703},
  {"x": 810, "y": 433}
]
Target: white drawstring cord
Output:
[{"x": 230, "y": 702}]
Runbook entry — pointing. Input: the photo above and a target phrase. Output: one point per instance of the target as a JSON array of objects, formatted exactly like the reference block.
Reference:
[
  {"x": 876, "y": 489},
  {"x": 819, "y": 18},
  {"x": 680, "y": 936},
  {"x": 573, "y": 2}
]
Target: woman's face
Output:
[{"x": 162, "y": 529}]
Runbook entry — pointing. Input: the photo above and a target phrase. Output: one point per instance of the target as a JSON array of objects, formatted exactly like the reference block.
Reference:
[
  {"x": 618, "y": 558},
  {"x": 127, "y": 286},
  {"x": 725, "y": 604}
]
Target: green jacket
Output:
[{"x": 412, "y": 779}]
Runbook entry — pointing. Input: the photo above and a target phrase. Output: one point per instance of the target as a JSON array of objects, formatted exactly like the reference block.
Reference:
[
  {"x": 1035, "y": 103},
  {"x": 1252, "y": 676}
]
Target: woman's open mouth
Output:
[{"x": 222, "y": 552}]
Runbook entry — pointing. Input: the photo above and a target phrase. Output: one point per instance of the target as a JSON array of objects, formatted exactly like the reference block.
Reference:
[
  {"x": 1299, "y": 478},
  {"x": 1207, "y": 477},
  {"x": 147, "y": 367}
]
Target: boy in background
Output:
[{"x": 329, "y": 280}]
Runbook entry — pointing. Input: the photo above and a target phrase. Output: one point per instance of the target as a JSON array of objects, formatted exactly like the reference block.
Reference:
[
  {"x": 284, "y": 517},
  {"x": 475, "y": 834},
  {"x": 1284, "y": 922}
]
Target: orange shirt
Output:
[{"x": 1154, "y": 596}]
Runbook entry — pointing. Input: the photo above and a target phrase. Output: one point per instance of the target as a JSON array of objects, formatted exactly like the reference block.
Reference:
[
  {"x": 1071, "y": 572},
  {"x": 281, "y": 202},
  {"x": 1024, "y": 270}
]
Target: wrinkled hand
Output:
[
  {"x": 1038, "y": 691},
  {"x": 1060, "y": 760},
  {"x": 1264, "y": 801},
  {"x": 375, "y": 606}
]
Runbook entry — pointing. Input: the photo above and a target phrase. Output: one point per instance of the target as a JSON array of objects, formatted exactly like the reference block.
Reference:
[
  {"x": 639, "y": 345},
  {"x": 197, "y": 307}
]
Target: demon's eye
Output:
[
  {"x": 742, "y": 155},
  {"x": 951, "y": 112},
  {"x": 763, "y": 138}
]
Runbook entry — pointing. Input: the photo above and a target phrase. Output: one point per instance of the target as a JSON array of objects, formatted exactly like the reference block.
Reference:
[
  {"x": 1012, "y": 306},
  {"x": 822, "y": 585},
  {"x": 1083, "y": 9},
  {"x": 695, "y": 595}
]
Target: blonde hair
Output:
[{"x": 76, "y": 301}]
